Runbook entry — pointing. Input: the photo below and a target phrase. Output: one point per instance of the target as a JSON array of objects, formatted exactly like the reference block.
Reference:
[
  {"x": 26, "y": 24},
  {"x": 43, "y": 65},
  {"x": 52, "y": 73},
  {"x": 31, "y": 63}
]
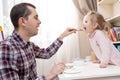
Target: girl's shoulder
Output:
[
  {"x": 99, "y": 31},
  {"x": 99, "y": 34}
]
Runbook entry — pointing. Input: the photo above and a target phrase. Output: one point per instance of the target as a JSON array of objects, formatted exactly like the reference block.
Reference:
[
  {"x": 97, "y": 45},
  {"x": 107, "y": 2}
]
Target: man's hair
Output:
[{"x": 20, "y": 10}]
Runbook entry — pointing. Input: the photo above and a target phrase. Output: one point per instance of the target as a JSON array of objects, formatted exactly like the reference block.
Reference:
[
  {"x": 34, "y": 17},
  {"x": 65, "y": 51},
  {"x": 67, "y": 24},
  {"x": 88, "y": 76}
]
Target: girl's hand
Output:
[
  {"x": 103, "y": 65},
  {"x": 96, "y": 61}
]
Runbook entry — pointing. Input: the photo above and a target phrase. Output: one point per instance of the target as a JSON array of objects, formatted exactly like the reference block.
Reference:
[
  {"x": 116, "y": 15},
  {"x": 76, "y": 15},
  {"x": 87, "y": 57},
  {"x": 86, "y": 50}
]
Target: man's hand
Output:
[
  {"x": 57, "y": 68},
  {"x": 67, "y": 32}
]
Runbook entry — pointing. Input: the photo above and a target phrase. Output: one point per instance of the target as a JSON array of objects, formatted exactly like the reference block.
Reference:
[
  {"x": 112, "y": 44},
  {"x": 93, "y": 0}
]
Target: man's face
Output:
[{"x": 32, "y": 23}]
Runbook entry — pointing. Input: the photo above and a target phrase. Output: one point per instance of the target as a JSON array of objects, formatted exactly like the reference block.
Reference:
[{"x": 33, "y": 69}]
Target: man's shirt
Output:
[{"x": 17, "y": 58}]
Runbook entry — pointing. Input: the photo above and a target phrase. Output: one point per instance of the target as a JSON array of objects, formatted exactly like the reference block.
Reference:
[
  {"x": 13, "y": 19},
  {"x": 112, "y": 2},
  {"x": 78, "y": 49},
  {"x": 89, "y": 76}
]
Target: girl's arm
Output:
[{"x": 103, "y": 43}]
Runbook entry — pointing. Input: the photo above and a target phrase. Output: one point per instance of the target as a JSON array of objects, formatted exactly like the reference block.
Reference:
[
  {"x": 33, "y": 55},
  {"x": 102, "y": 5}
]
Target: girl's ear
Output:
[{"x": 95, "y": 25}]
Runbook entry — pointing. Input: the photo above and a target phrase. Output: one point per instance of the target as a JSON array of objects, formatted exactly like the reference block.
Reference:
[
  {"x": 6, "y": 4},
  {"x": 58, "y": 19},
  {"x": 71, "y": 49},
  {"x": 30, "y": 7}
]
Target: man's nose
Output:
[{"x": 39, "y": 21}]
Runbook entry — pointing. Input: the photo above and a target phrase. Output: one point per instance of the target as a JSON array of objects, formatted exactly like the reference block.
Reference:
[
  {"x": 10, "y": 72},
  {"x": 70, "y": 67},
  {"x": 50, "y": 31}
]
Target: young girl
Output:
[{"x": 94, "y": 25}]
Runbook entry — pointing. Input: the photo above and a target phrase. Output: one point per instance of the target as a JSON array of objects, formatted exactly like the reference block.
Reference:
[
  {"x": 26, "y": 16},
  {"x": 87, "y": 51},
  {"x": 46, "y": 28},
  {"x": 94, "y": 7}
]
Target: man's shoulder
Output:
[{"x": 8, "y": 41}]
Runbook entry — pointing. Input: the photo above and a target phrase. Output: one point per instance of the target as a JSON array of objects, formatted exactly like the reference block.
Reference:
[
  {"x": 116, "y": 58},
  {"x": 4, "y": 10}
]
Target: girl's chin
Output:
[{"x": 88, "y": 34}]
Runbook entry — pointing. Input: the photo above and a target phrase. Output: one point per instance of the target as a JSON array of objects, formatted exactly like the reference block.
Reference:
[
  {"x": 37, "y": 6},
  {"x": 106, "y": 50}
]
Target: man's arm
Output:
[
  {"x": 53, "y": 48},
  {"x": 8, "y": 70},
  {"x": 46, "y": 53}
]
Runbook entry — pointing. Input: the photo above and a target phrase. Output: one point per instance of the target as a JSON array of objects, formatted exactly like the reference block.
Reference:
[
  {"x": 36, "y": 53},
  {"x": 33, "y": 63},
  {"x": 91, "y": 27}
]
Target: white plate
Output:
[{"x": 72, "y": 70}]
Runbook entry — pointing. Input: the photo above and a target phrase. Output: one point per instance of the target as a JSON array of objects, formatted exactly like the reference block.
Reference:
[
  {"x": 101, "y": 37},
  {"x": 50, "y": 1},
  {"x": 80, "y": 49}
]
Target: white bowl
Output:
[{"x": 78, "y": 62}]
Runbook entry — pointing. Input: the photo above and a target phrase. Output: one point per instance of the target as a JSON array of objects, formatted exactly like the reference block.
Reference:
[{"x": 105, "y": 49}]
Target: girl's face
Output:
[{"x": 88, "y": 25}]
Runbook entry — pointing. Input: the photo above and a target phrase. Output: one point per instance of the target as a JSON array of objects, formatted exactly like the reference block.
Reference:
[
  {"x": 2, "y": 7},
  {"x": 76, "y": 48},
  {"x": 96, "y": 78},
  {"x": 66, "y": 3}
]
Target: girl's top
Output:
[{"x": 104, "y": 49}]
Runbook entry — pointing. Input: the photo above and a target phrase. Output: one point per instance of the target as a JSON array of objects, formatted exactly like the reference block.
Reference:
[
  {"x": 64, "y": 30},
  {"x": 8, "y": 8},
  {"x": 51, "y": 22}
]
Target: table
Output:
[{"x": 92, "y": 71}]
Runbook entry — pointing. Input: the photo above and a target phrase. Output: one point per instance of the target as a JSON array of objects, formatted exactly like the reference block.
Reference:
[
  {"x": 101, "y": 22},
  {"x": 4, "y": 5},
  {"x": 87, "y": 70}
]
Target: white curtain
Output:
[
  {"x": 56, "y": 16},
  {"x": 84, "y": 6}
]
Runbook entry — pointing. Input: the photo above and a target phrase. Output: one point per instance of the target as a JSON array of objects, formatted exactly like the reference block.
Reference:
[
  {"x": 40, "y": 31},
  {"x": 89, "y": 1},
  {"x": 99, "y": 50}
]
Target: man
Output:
[{"x": 17, "y": 53}]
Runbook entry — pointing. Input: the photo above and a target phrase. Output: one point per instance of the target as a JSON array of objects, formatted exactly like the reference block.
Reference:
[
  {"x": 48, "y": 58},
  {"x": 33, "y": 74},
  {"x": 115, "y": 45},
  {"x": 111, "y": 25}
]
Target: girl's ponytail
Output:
[{"x": 107, "y": 28}]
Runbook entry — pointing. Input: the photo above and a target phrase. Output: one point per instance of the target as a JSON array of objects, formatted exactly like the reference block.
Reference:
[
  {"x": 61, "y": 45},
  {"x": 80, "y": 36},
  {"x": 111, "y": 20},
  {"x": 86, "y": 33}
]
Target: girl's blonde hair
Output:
[{"x": 102, "y": 23}]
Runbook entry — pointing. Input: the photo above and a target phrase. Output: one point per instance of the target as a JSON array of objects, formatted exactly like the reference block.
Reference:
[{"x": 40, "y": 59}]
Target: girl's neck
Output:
[{"x": 90, "y": 35}]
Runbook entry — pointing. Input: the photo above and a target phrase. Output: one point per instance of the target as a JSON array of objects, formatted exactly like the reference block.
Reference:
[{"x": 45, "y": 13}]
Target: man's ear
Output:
[{"x": 21, "y": 21}]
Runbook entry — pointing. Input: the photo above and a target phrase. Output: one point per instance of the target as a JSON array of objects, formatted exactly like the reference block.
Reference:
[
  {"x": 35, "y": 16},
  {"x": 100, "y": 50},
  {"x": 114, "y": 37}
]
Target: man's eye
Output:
[{"x": 36, "y": 18}]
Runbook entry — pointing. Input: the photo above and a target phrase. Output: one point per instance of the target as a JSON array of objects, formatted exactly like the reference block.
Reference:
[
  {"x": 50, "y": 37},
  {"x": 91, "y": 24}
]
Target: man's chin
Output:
[{"x": 35, "y": 34}]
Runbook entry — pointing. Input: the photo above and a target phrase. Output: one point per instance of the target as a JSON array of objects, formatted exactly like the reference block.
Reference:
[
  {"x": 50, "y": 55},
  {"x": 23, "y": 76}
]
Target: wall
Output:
[
  {"x": 85, "y": 48},
  {"x": 109, "y": 10},
  {"x": 1, "y": 13},
  {"x": 116, "y": 7},
  {"x": 106, "y": 10}
]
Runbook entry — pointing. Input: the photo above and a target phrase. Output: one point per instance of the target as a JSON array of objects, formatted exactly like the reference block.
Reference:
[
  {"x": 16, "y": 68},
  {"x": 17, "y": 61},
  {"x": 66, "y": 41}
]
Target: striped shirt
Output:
[{"x": 17, "y": 58}]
